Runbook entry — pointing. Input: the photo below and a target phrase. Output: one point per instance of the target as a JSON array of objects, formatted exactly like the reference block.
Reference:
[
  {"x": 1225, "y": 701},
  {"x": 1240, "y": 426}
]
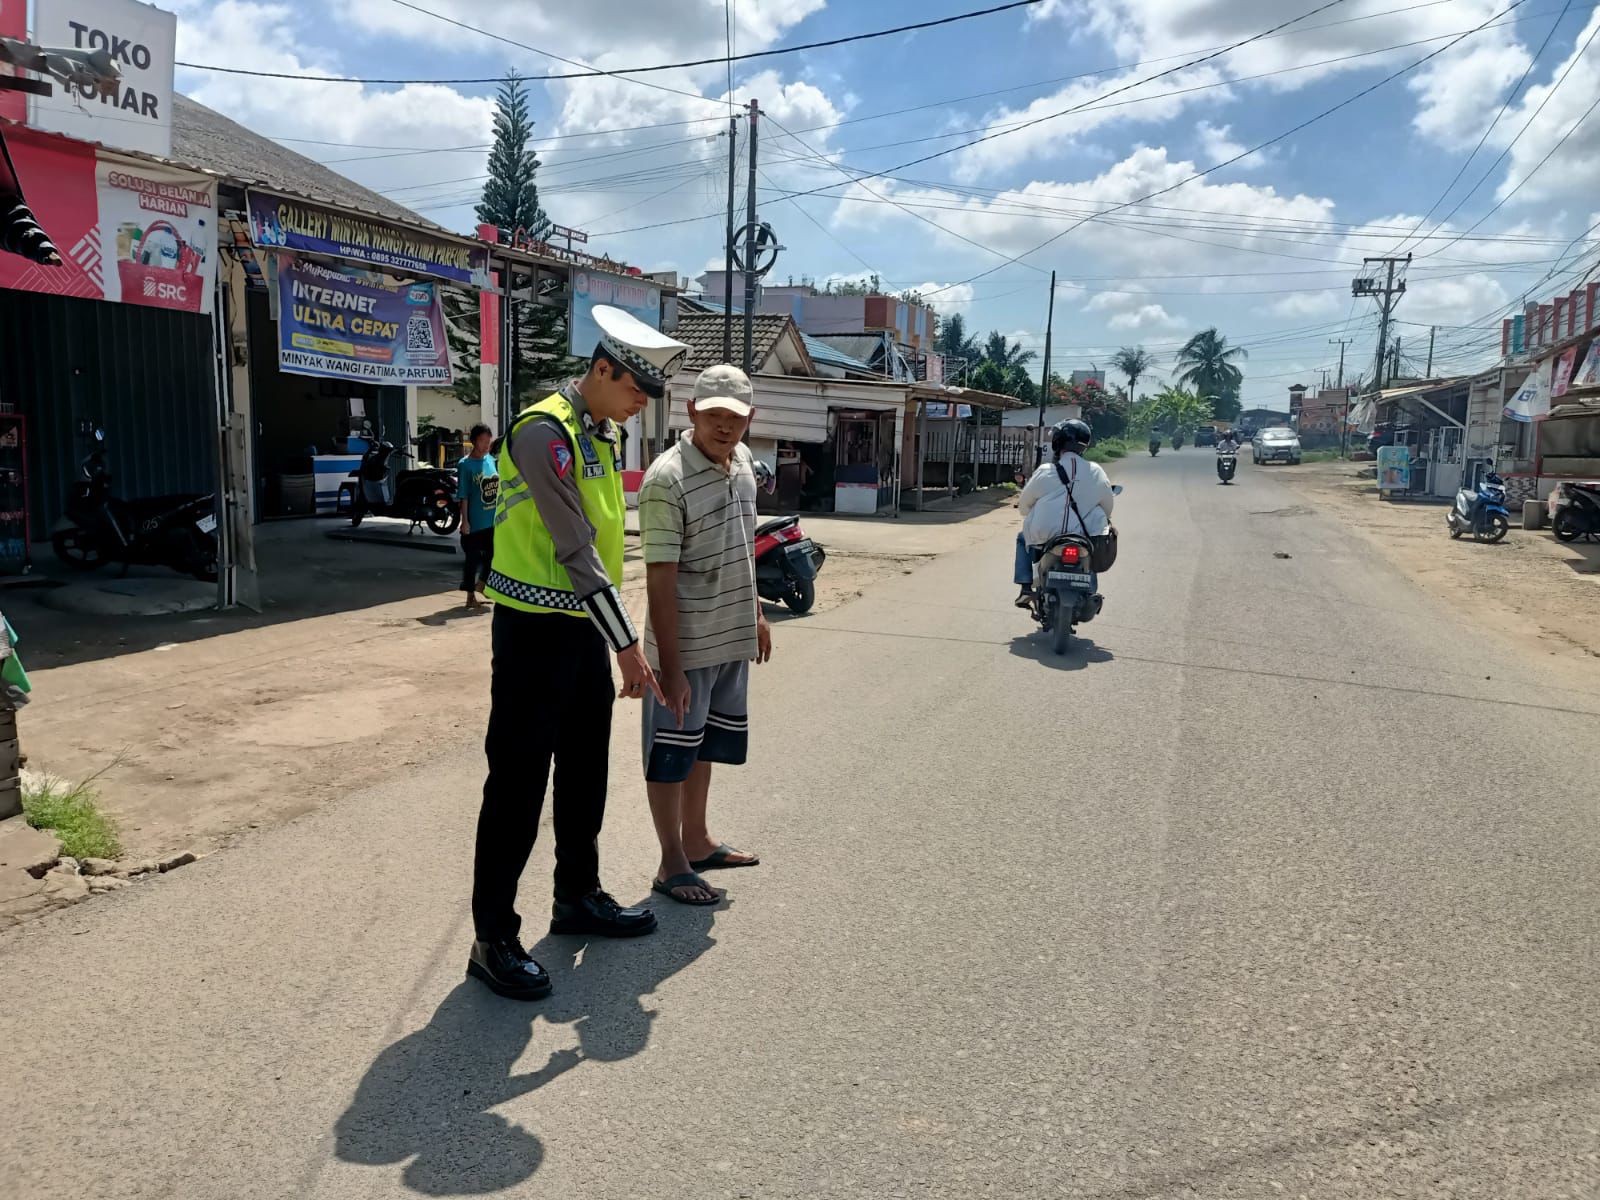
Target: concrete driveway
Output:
[{"x": 1283, "y": 883}]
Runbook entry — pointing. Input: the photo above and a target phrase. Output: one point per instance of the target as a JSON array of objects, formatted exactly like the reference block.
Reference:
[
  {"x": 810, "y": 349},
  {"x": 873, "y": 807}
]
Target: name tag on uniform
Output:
[{"x": 591, "y": 460}]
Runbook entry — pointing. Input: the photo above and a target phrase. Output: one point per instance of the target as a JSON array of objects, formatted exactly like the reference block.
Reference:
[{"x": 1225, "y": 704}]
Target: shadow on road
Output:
[
  {"x": 425, "y": 1100},
  {"x": 456, "y": 612},
  {"x": 1081, "y": 652}
]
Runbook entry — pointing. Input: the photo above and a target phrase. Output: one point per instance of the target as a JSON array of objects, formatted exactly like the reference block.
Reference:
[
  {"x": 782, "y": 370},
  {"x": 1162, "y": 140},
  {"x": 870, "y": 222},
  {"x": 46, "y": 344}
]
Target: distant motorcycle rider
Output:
[
  {"x": 1046, "y": 512},
  {"x": 1228, "y": 443}
]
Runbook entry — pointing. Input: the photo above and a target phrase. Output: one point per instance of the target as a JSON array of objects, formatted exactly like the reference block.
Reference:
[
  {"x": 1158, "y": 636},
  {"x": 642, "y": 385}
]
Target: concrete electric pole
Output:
[{"x": 1387, "y": 292}]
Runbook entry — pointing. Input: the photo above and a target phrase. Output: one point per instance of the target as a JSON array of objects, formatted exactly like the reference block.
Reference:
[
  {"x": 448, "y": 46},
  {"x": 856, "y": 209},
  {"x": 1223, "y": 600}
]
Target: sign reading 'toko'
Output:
[{"x": 137, "y": 113}]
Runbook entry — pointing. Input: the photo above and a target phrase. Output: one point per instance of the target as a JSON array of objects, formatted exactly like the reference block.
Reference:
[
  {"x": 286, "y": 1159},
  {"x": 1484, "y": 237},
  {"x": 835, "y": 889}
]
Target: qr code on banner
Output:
[{"x": 419, "y": 333}]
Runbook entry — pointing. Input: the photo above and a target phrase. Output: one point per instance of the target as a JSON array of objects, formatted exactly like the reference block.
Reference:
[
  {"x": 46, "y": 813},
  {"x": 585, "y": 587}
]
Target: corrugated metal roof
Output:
[
  {"x": 823, "y": 353},
  {"x": 205, "y": 138}
]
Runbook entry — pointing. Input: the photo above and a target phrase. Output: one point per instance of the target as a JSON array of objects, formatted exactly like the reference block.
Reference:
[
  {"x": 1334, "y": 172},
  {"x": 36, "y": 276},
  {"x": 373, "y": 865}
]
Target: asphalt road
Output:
[{"x": 1283, "y": 883}]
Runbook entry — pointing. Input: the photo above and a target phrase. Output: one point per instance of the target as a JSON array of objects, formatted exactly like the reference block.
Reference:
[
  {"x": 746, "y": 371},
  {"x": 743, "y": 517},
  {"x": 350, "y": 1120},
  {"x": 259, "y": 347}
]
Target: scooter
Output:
[
  {"x": 1481, "y": 511},
  {"x": 1066, "y": 587},
  {"x": 1577, "y": 511},
  {"x": 787, "y": 562},
  {"x": 385, "y": 489},
  {"x": 1177, "y": 441},
  {"x": 177, "y": 531},
  {"x": 1227, "y": 464},
  {"x": 1155, "y": 446}
]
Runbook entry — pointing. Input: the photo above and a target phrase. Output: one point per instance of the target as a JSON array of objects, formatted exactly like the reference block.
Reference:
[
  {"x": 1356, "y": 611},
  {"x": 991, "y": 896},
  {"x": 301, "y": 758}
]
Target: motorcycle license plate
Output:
[
  {"x": 1072, "y": 579},
  {"x": 804, "y": 544},
  {"x": 207, "y": 523}
]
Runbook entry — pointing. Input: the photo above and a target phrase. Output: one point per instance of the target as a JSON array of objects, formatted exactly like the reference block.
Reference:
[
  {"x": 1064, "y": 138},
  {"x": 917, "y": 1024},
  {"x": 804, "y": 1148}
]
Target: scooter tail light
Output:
[{"x": 1069, "y": 556}]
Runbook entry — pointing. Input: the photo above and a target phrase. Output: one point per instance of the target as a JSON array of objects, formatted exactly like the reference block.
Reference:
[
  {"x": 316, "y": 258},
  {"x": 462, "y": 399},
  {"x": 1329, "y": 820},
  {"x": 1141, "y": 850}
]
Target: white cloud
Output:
[
  {"x": 1460, "y": 93},
  {"x": 1302, "y": 306},
  {"x": 416, "y": 114},
  {"x": 1144, "y": 318},
  {"x": 950, "y": 300},
  {"x": 1218, "y": 145},
  {"x": 1574, "y": 169},
  {"x": 1163, "y": 34}
]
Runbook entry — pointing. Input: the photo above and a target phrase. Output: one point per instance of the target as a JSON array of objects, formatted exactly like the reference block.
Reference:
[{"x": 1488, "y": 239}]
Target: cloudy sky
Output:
[{"x": 947, "y": 160}]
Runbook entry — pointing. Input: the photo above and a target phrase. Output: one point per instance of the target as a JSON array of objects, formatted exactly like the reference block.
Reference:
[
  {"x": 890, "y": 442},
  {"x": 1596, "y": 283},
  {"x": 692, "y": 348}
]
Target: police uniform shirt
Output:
[{"x": 534, "y": 451}]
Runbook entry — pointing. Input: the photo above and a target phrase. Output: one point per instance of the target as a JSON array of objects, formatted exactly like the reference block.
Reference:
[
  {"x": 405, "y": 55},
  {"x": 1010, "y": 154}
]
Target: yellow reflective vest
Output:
[{"x": 526, "y": 574}]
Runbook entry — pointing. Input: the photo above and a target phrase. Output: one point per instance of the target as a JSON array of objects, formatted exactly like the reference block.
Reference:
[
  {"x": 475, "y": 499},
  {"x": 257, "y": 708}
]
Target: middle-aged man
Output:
[
  {"x": 557, "y": 564},
  {"x": 697, "y": 520}
]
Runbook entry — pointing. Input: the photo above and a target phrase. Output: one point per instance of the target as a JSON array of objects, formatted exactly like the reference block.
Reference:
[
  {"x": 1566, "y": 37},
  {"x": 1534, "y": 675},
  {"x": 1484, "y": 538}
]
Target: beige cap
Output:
[{"x": 724, "y": 386}]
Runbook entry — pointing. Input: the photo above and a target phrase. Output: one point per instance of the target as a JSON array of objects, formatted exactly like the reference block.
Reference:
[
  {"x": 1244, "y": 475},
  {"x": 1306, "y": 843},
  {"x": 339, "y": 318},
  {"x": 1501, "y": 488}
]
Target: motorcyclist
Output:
[
  {"x": 1228, "y": 443},
  {"x": 1044, "y": 507}
]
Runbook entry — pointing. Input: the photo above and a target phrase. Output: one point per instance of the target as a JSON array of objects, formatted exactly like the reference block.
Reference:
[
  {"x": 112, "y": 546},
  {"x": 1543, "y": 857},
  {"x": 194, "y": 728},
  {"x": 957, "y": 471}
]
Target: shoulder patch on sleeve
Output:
[{"x": 561, "y": 453}]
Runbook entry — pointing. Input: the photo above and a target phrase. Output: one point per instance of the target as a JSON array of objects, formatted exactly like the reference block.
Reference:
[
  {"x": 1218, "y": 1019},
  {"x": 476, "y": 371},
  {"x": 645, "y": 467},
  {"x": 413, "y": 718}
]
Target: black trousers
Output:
[
  {"x": 478, "y": 549},
  {"x": 550, "y": 701}
]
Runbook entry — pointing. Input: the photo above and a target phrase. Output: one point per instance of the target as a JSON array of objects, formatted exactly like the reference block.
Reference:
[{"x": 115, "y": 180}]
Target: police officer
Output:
[{"x": 557, "y": 563}]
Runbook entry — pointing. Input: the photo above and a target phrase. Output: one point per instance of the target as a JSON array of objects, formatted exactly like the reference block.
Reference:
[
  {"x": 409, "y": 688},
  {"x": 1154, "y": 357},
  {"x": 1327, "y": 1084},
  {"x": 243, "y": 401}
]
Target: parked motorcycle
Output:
[
  {"x": 1066, "y": 588},
  {"x": 1227, "y": 464},
  {"x": 1577, "y": 511},
  {"x": 177, "y": 531},
  {"x": 787, "y": 562},
  {"x": 384, "y": 488},
  {"x": 1155, "y": 446},
  {"x": 1481, "y": 511}
]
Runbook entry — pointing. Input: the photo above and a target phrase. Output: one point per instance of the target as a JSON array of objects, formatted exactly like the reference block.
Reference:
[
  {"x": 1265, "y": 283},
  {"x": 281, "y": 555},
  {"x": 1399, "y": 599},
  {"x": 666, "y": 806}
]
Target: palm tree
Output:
[
  {"x": 1135, "y": 362},
  {"x": 955, "y": 344},
  {"x": 1206, "y": 363},
  {"x": 1006, "y": 355}
]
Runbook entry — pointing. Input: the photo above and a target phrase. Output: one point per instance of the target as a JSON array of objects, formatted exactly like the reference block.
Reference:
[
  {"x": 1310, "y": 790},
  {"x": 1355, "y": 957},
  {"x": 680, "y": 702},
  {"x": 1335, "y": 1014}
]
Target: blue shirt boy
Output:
[{"x": 478, "y": 483}]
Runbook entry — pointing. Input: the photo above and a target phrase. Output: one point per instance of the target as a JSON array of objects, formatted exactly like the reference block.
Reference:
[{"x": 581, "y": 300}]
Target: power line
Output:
[
  {"x": 1106, "y": 96},
  {"x": 1253, "y": 149},
  {"x": 593, "y": 73},
  {"x": 1466, "y": 162},
  {"x": 1573, "y": 128},
  {"x": 939, "y": 103}
]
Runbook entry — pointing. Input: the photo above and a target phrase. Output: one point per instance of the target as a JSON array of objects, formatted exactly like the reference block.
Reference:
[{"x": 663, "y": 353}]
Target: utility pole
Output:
[
  {"x": 1044, "y": 392},
  {"x": 1387, "y": 293},
  {"x": 750, "y": 249},
  {"x": 1432, "y": 331},
  {"x": 1344, "y": 425},
  {"x": 727, "y": 272},
  {"x": 1394, "y": 361},
  {"x": 1341, "y": 343}
]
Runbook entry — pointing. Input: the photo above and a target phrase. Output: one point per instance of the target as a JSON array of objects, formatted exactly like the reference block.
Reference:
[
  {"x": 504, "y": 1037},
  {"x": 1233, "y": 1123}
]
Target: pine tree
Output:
[
  {"x": 511, "y": 202},
  {"x": 511, "y": 196}
]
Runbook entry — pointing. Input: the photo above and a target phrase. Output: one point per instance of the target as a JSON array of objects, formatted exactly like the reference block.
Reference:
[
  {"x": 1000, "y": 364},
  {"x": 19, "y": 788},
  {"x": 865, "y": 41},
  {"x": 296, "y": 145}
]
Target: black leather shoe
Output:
[
  {"x": 508, "y": 970},
  {"x": 598, "y": 915}
]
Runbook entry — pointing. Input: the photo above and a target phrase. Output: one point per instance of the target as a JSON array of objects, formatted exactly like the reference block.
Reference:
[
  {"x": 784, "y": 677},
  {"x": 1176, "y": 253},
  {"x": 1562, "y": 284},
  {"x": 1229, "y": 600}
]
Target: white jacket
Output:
[{"x": 1044, "y": 508}]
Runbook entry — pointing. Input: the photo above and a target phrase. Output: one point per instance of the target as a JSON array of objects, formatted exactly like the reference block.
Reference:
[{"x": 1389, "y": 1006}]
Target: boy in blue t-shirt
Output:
[{"x": 477, "y": 488}]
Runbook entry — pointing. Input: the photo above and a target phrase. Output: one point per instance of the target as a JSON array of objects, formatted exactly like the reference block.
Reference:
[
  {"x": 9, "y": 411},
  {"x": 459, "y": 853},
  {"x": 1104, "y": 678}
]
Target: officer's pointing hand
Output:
[{"x": 637, "y": 677}]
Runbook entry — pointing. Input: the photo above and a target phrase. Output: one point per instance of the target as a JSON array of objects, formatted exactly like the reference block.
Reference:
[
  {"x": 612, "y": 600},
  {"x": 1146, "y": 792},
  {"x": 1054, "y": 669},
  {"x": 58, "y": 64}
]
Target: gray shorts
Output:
[{"x": 715, "y": 729}]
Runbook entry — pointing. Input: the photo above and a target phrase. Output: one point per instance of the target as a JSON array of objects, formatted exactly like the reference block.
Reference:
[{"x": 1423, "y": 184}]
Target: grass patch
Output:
[
  {"x": 69, "y": 811},
  {"x": 1318, "y": 456},
  {"x": 1108, "y": 450}
]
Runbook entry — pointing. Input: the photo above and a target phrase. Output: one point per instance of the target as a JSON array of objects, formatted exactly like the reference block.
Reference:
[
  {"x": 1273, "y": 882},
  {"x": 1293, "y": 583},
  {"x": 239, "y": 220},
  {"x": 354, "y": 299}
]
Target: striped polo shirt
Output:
[{"x": 703, "y": 517}]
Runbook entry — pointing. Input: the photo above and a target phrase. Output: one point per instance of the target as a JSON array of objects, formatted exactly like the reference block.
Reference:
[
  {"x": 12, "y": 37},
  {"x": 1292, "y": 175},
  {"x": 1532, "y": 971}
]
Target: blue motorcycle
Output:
[{"x": 1481, "y": 511}]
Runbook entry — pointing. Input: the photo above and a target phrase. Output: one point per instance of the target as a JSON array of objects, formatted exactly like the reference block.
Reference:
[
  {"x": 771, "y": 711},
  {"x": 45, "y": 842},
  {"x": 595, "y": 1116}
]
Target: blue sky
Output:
[{"x": 1264, "y": 249}]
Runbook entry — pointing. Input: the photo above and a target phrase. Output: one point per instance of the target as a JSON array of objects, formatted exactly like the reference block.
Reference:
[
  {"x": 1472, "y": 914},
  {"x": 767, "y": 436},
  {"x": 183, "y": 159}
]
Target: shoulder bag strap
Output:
[{"x": 1083, "y": 526}]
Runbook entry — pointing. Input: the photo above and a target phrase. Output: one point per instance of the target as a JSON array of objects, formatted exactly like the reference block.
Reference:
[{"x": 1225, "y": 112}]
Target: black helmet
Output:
[{"x": 1070, "y": 435}]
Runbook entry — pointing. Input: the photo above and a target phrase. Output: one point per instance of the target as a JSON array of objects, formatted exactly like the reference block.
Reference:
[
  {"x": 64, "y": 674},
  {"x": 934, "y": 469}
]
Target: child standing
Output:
[{"x": 477, "y": 488}]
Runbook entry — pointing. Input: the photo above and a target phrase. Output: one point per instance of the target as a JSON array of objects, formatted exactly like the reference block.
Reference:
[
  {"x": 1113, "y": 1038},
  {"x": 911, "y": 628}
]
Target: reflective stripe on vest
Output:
[{"x": 526, "y": 574}]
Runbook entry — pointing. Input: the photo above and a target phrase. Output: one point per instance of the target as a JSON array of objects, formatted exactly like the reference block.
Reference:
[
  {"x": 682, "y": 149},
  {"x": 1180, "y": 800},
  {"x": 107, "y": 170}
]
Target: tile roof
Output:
[
  {"x": 205, "y": 138},
  {"x": 820, "y": 351},
  {"x": 702, "y": 333}
]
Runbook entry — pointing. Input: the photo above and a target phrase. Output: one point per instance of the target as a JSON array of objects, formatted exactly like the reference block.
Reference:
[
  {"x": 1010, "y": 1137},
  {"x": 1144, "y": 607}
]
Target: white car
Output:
[{"x": 1280, "y": 444}]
